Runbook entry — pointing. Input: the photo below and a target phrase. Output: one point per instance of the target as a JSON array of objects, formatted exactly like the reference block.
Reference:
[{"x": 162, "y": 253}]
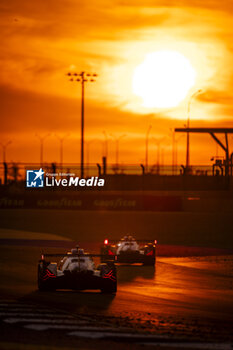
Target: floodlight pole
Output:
[
  {"x": 82, "y": 124},
  {"x": 61, "y": 141},
  {"x": 158, "y": 143},
  {"x": 88, "y": 143},
  {"x": 83, "y": 79},
  {"x": 105, "y": 145},
  {"x": 172, "y": 135},
  {"x": 147, "y": 146},
  {"x": 4, "y": 147},
  {"x": 188, "y": 124},
  {"x": 176, "y": 152},
  {"x": 41, "y": 139},
  {"x": 117, "y": 140}
]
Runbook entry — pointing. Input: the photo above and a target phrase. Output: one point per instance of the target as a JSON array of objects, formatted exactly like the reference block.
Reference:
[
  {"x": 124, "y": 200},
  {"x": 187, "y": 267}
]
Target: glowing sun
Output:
[{"x": 163, "y": 79}]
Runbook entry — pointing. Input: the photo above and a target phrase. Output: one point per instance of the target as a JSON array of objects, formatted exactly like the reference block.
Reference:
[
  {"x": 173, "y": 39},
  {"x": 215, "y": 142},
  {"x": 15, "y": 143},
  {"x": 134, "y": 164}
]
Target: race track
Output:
[{"x": 189, "y": 297}]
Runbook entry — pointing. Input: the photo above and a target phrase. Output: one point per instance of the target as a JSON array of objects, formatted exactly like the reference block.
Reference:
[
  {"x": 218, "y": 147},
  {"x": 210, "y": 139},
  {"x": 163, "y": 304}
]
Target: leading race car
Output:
[
  {"x": 76, "y": 270},
  {"x": 128, "y": 250}
]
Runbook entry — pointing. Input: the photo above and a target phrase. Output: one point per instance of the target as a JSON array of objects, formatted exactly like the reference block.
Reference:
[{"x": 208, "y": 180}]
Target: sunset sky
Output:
[{"x": 41, "y": 41}]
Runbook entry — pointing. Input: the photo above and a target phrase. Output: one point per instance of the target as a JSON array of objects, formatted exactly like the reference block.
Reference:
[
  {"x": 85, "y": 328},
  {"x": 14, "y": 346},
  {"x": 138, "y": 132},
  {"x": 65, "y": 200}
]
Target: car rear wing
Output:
[
  {"x": 113, "y": 241},
  {"x": 60, "y": 255}
]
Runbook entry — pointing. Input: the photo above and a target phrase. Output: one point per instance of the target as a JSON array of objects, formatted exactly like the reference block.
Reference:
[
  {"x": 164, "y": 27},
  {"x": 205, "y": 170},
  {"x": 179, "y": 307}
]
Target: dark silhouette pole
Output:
[
  {"x": 143, "y": 169},
  {"x": 61, "y": 141},
  {"x": 117, "y": 140},
  {"x": 176, "y": 151},
  {"x": 105, "y": 145},
  {"x": 188, "y": 124},
  {"x": 41, "y": 139},
  {"x": 4, "y": 147},
  {"x": 147, "y": 146},
  {"x": 158, "y": 143},
  {"x": 82, "y": 125},
  {"x": 83, "y": 79},
  {"x": 173, "y": 149},
  {"x": 5, "y": 172}
]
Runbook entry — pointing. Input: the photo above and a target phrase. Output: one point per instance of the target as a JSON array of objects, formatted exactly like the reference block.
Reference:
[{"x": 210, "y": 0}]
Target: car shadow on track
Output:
[
  {"x": 128, "y": 273},
  {"x": 71, "y": 299}
]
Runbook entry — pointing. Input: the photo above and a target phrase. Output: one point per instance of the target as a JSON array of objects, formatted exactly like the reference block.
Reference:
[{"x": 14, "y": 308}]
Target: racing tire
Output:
[
  {"x": 42, "y": 285},
  {"x": 103, "y": 253},
  {"x": 109, "y": 278},
  {"x": 149, "y": 261}
]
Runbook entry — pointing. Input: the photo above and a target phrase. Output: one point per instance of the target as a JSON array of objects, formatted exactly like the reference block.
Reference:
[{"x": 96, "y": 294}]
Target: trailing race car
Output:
[
  {"x": 76, "y": 270},
  {"x": 128, "y": 250}
]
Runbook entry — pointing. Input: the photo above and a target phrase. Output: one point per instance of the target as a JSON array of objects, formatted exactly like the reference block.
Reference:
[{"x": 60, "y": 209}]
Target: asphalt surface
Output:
[
  {"x": 180, "y": 299},
  {"x": 186, "y": 297}
]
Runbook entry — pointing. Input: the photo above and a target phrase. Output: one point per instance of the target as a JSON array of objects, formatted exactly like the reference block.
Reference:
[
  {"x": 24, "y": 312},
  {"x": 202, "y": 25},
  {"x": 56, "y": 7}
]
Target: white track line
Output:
[
  {"x": 15, "y": 309},
  {"x": 95, "y": 335},
  {"x": 29, "y": 314},
  {"x": 201, "y": 346},
  {"x": 41, "y": 327},
  {"x": 121, "y": 335},
  {"x": 58, "y": 320},
  {"x": 16, "y": 305},
  {"x": 138, "y": 338},
  {"x": 32, "y": 308}
]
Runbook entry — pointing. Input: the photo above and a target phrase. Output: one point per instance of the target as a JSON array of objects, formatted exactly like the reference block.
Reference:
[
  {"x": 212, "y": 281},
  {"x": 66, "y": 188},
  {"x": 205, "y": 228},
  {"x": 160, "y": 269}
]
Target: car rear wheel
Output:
[
  {"x": 109, "y": 278},
  {"x": 43, "y": 285},
  {"x": 149, "y": 255},
  {"x": 103, "y": 253},
  {"x": 149, "y": 261}
]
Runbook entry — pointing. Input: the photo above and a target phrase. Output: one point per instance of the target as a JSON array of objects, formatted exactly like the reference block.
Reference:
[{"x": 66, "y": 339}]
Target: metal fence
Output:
[{"x": 17, "y": 171}]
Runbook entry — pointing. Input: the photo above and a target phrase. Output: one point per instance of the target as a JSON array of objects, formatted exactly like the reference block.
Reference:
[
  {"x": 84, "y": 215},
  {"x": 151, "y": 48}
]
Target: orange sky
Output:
[{"x": 41, "y": 41}]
